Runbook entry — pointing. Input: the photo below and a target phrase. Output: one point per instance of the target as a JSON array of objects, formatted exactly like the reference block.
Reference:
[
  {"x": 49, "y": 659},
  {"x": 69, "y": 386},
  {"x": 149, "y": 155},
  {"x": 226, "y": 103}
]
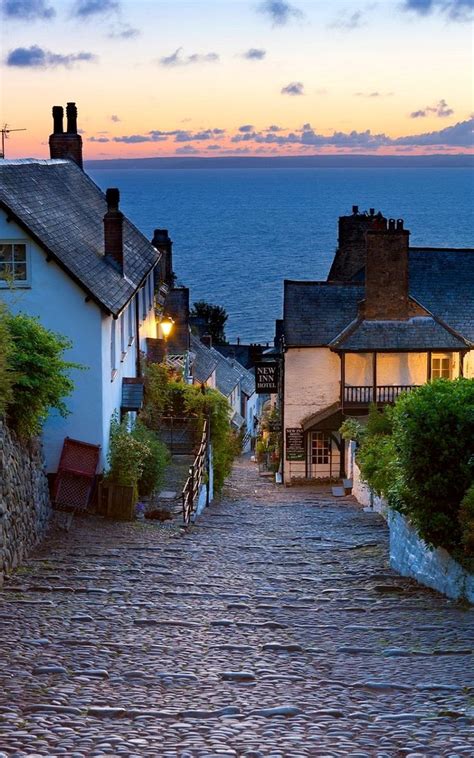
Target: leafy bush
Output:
[
  {"x": 127, "y": 455},
  {"x": 165, "y": 395},
  {"x": 433, "y": 436},
  {"x": 352, "y": 430},
  {"x": 6, "y": 376},
  {"x": 466, "y": 521},
  {"x": 154, "y": 462},
  {"x": 41, "y": 379}
]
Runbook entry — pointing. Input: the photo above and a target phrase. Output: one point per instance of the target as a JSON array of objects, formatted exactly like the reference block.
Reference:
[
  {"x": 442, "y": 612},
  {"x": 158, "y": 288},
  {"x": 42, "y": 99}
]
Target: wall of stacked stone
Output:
[{"x": 25, "y": 507}]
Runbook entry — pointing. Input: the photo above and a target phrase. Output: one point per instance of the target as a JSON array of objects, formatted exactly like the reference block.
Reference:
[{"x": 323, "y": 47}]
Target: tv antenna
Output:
[{"x": 5, "y": 132}]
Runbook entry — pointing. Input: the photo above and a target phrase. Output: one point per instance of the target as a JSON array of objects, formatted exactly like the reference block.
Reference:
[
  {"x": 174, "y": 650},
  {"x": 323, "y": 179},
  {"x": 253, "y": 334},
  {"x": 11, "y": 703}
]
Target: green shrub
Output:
[
  {"x": 6, "y": 376},
  {"x": 466, "y": 521},
  {"x": 154, "y": 462},
  {"x": 166, "y": 396},
  {"x": 433, "y": 437},
  {"x": 41, "y": 375},
  {"x": 127, "y": 455}
]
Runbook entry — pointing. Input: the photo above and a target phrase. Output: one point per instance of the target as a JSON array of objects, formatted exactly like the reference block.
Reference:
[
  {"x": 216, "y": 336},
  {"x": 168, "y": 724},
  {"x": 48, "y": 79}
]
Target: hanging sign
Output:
[
  {"x": 266, "y": 378},
  {"x": 294, "y": 444}
]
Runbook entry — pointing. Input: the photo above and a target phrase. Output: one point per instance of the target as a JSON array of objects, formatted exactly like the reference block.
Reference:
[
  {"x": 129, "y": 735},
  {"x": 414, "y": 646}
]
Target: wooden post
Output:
[
  {"x": 428, "y": 366},
  {"x": 343, "y": 379},
  {"x": 374, "y": 377}
]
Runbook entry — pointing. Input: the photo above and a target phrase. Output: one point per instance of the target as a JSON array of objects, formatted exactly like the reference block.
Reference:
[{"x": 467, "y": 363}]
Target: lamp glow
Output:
[{"x": 166, "y": 326}]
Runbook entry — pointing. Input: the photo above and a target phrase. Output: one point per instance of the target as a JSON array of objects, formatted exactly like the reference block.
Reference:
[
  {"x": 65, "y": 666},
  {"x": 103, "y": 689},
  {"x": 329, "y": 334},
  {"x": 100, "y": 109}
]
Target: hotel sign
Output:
[
  {"x": 294, "y": 444},
  {"x": 266, "y": 378}
]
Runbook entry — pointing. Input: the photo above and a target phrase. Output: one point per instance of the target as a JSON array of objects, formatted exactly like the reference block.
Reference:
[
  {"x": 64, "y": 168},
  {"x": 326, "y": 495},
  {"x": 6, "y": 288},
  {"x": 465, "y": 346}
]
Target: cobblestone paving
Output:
[{"x": 272, "y": 628}]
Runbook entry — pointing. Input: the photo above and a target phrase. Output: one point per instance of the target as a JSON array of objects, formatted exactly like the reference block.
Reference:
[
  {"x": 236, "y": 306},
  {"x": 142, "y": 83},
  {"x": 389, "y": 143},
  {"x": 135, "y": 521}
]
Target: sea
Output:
[{"x": 239, "y": 232}]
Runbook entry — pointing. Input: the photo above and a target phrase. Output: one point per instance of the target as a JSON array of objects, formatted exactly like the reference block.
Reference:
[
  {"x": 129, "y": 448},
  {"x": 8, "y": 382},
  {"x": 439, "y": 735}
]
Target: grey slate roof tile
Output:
[
  {"x": 63, "y": 209},
  {"x": 204, "y": 362},
  {"x": 316, "y": 312},
  {"x": 422, "y": 333},
  {"x": 227, "y": 378}
]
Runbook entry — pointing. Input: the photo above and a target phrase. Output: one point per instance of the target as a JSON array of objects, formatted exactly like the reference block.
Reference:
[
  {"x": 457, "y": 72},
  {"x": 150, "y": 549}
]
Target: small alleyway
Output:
[{"x": 273, "y": 627}]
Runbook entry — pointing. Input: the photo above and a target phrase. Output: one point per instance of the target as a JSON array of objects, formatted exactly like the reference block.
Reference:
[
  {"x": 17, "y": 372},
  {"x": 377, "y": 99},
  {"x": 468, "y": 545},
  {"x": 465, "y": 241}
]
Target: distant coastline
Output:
[{"x": 460, "y": 160}]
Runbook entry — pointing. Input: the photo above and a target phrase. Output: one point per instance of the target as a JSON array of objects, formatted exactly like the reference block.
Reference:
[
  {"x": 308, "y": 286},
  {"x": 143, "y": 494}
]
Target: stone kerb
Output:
[{"x": 25, "y": 507}]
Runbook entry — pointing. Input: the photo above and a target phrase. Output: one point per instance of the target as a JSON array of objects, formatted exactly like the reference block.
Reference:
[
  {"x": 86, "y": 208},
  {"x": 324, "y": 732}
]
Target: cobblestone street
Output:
[{"x": 273, "y": 627}]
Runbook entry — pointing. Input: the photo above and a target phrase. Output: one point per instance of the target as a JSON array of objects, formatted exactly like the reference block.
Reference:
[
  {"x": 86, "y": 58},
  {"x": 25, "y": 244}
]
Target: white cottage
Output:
[
  {"x": 79, "y": 265},
  {"x": 390, "y": 318}
]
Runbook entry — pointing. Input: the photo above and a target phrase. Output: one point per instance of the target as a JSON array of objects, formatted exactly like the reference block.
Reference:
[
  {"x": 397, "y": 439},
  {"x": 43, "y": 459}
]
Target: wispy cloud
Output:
[
  {"x": 374, "y": 94},
  {"x": 254, "y": 54},
  {"x": 124, "y": 31},
  {"x": 115, "y": 118},
  {"x": 441, "y": 110},
  {"x": 279, "y": 12},
  {"x": 27, "y": 10},
  {"x": 178, "y": 59},
  {"x": 456, "y": 10},
  {"x": 246, "y": 128},
  {"x": 89, "y": 8},
  {"x": 186, "y": 150},
  {"x": 37, "y": 57},
  {"x": 293, "y": 88},
  {"x": 347, "y": 23}
]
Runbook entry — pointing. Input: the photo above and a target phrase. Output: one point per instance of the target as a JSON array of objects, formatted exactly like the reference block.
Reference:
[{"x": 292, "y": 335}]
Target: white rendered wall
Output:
[
  {"x": 402, "y": 368},
  {"x": 60, "y": 305},
  {"x": 312, "y": 383}
]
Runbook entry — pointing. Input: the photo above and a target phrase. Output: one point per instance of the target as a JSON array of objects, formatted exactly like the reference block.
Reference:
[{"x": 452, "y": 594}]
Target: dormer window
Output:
[
  {"x": 14, "y": 264},
  {"x": 441, "y": 366}
]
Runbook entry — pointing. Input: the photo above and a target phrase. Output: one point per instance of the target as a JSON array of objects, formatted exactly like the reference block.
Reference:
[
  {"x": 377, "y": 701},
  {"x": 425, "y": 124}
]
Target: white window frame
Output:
[
  {"x": 439, "y": 371},
  {"x": 18, "y": 283},
  {"x": 113, "y": 348}
]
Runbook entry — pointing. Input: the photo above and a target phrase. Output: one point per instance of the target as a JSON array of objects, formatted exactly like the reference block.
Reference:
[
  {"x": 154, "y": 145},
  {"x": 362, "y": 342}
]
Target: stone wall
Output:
[
  {"x": 411, "y": 556},
  {"x": 25, "y": 507}
]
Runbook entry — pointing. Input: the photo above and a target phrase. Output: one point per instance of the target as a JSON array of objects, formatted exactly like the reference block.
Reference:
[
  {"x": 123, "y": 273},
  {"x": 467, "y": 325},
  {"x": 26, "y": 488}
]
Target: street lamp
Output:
[{"x": 166, "y": 325}]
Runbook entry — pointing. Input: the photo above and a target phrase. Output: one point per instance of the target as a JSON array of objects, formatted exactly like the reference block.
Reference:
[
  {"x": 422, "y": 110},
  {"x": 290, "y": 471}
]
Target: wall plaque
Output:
[{"x": 295, "y": 444}]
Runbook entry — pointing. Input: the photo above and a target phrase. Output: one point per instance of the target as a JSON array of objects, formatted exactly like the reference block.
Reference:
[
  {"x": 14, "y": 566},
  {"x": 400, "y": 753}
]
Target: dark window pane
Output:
[
  {"x": 20, "y": 272},
  {"x": 19, "y": 252},
  {"x": 5, "y": 253}
]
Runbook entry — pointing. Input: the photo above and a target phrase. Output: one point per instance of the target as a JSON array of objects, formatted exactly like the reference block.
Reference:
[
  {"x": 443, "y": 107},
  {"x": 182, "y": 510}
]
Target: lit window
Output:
[
  {"x": 441, "y": 366},
  {"x": 13, "y": 264},
  {"x": 320, "y": 448}
]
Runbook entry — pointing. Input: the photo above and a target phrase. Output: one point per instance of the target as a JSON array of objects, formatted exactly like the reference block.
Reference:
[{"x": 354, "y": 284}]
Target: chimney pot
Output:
[
  {"x": 372, "y": 211},
  {"x": 206, "y": 340},
  {"x": 355, "y": 209},
  {"x": 58, "y": 115},
  {"x": 71, "y": 114},
  {"x": 399, "y": 225},
  {"x": 112, "y": 196}
]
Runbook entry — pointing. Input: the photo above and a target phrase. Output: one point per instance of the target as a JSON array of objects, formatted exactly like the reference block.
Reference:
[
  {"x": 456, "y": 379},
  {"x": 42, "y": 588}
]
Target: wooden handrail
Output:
[{"x": 197, "y": 471}]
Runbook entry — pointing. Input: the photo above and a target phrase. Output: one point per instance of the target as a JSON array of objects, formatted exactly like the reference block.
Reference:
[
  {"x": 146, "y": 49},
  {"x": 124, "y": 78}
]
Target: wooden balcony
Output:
[{"x": 381, "y": 395}]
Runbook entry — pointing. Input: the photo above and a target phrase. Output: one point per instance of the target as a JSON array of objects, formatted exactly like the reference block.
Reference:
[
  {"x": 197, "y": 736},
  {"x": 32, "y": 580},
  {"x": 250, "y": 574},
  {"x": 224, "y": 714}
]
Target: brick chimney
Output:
[
  {"x": 206, "y": 340},
  {"x": 350, "y": 253},
  {"x": 113, "y": 229},
  {"x": 66, "y": 145},
  {"x": 164, "y": 244},
  {"x": 386, "y": 271}
]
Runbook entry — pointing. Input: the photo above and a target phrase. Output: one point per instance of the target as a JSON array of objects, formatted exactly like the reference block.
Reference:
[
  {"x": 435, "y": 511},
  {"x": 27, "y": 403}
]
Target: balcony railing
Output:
[{"x": 386, "y": 393}]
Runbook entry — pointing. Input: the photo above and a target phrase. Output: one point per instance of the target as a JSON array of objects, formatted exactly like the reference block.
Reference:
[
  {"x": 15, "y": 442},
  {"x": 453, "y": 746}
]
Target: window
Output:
[
  {"x": 441, "y": 366},
  {"x": 122, "y": 334},
  {"x": 131, "y": 321},
  {"x": 320, "y": 448},
  {"x": 113, "y": 349},
  {"x": 14, "y": 264}
]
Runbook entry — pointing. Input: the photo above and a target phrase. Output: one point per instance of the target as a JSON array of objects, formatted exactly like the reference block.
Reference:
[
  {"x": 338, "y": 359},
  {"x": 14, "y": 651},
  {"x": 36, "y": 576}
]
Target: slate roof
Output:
[
  {"x": 316, "y": 312},
  {"x": 204, "y": 363},
  {"x": 247, "y": 379},
  {"x": 62, "y": 209},
  {"x": 441, "y": 280},
  {"x": 418, "y": 333},
  {"x": 227, "y": 378}
]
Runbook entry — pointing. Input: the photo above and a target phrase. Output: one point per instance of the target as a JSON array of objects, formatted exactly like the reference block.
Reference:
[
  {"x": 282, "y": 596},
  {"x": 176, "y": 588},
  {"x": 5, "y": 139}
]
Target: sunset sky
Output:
[{"x": 220, "y": 77}]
